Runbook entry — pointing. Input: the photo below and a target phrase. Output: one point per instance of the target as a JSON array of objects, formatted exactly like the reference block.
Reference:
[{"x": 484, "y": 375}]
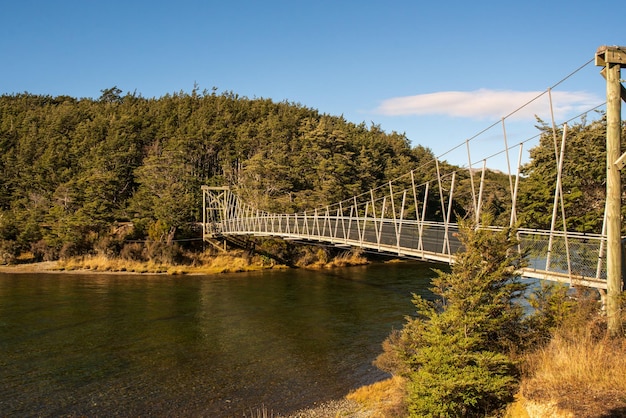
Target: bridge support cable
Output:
[
  {"x": 393, "y": 212},
  {"x": 559, "y": 161},
  {"x": 417, "y": 213},
  {"x": 516, "y": 187},
  {"x": 558, "y": 193},
  {"x": 399, "y": 231},
  {"x": 380, "y": 224},
  {"x": 421, "y": 224},
  {"x": 338, "y": 218},
  {"x": 513, "y": 220},
  {"x": 513, "y": 187},
  {"x": 602, "y": 246},
  {"x": 316, "y": 223},
  {"x": 362, "y": 227},
  {"x": 471, "y": 174},
  {"x": 480, "y": 193},
  {"x": 447, "y": 224},
  {"x": 346, "y": 233},
  {"x": 306, "y": 224},
  {"x": 374, "y": 217},
  {"x": 327, "y": 223},
  {"x": 358, "y": 224},
  {"x": 443, "y": 207}
]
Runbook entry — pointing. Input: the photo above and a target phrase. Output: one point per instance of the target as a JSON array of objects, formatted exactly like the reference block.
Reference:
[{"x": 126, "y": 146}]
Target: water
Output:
[{"x": 215, "y": 346}]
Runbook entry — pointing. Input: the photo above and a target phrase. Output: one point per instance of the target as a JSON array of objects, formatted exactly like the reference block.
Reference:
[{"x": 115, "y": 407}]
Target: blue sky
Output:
[{"x": 438, "y": 71}]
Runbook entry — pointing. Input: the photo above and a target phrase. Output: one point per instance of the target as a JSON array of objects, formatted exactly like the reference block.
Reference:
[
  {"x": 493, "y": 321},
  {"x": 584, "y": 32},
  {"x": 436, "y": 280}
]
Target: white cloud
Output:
[{"x": 490, "y": 104}]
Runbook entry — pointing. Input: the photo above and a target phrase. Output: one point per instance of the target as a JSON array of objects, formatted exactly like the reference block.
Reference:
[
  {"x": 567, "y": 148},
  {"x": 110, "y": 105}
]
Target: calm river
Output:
[{"x": 216, "y": 346}]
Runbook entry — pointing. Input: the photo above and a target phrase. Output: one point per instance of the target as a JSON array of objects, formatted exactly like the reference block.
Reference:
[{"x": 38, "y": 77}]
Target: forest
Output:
[{"x": 81, "y": 176}]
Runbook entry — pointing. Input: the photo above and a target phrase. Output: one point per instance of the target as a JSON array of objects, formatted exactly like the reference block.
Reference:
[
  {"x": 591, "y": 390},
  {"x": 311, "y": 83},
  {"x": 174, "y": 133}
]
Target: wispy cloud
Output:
[{"x": 490, "y": 104}]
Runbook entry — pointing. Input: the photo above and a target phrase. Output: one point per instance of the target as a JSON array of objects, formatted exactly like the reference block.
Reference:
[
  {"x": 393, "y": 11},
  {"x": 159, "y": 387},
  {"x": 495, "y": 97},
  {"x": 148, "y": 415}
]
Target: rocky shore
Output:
[{"x": 336, "y": 408}]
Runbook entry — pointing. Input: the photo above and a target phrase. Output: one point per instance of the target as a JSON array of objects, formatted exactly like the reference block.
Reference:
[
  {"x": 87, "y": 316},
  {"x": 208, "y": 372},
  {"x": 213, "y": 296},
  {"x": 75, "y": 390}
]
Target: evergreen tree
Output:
[{"x": 455, "y": 353}]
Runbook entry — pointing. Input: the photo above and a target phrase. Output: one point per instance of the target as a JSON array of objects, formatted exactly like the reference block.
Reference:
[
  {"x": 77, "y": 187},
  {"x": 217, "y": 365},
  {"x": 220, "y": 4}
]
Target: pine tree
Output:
[{"x": 457, "y": 348}]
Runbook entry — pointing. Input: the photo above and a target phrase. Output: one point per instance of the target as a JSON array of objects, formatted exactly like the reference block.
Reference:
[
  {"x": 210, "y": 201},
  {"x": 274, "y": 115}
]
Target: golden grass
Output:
[
  {"x": 206, "y": 264},
  {"x": 348, "y": 258},
  {"x": 345, "y": 259},
  {"x": 385, "y": 399},
  {"x": 579, "y": 373}
]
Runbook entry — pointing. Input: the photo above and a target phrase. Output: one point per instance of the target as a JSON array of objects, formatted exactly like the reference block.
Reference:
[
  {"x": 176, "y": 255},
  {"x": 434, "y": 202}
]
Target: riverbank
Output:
[{"x": 234, "y": 261}]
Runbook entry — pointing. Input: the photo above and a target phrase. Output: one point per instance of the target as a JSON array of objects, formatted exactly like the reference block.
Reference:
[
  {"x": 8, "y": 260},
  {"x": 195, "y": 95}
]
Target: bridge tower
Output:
[
  {"x": 613, "y": 59},
  {"x": 214, "y": 212}
]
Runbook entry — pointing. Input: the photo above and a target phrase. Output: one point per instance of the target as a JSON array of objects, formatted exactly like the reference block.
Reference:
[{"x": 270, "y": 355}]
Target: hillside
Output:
[{"x": 74, "y": 170}]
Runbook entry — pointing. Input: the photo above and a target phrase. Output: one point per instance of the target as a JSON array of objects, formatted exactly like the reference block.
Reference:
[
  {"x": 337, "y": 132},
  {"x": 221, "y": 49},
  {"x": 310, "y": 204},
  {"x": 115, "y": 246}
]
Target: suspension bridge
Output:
[{"x": 394, "y": 217}]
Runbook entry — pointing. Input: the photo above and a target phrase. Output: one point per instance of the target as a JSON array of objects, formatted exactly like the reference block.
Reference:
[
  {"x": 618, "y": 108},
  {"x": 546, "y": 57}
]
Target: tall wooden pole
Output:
[{"x": 612, "y": 59}]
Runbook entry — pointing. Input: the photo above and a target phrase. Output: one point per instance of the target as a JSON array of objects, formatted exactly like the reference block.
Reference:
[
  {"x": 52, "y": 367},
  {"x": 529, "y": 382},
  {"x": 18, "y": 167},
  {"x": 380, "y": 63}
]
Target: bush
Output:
[
  {"x": 132, "y": 251},
  {"x": 455, "y": 353},
  {"x": 43, "y": 252},
  {"x": 163, "y": 253},
  {"x": 108, "y": 246},
  {"x": 8, "y": 252}
]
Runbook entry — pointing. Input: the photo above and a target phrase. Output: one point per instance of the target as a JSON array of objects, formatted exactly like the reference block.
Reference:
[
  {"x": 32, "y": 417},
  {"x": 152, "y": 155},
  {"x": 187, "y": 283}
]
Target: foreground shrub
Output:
[{"x": 455, "y": 353}]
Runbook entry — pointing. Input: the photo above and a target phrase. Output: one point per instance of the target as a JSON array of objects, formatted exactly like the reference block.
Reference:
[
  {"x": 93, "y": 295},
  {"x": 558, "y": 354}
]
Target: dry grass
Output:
[
  {"x": 205, "y": 264},
  {"x": 319, "y": 260},
  {"x": 579, "y": 372},
  {"x": 348, "y": 258},
  {"x": 383, "y": 399}
]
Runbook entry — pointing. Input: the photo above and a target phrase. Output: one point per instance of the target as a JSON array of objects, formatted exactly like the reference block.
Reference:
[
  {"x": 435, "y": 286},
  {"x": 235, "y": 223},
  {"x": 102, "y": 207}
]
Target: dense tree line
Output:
[{"x": 71, "y": 169}]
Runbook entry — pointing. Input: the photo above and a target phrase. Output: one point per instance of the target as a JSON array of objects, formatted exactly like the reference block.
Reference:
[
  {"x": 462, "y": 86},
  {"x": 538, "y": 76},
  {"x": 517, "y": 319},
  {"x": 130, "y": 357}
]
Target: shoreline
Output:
[
  {"x": 57, "y": 267},
  {"x": 226, "y": 264},
  {"x": 39, "y": 267}
]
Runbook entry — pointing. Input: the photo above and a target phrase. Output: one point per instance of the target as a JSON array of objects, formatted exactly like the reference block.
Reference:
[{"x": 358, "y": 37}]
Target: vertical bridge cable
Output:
[
  {"x": 417, "y": 214},
  {"x": 447, "y": 224},
  {"x": 395, "y": 220},
  {"x": 443, "y": 205},
  {"x": 421, "y": 224},
  {"x": 399, "y": 233},
  {"x": 362, "y": 237},
  {"x": 554, "y": 137},
  {"x": 516, "y": 187},
  {"x": 508, "y": 164},
  {"x": 339, "y": 218},
  {"x": 569, "y": 263},
  {"x": 471, "y": 173},
  {"x": 446, "y": 244},
  {"x": 374, "y": 217},
  {"x": 602, "y": 245},
  {"x": 558, "y": 191},
  {"x": 480, "y": 192},
  {"x": 380, "y": 224}
]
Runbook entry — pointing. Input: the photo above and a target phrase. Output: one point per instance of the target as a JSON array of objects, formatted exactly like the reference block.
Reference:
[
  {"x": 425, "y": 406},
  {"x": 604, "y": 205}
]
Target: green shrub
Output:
[{"x": 455, "y": 352}]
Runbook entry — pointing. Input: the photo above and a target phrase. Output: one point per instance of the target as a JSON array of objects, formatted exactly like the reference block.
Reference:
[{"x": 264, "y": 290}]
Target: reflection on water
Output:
[{"x": 197, "y": 345}]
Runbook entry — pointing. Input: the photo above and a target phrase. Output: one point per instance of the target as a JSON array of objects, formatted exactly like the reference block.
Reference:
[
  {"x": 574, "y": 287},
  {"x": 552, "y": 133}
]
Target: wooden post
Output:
[{"x": 613, "y": 59}]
